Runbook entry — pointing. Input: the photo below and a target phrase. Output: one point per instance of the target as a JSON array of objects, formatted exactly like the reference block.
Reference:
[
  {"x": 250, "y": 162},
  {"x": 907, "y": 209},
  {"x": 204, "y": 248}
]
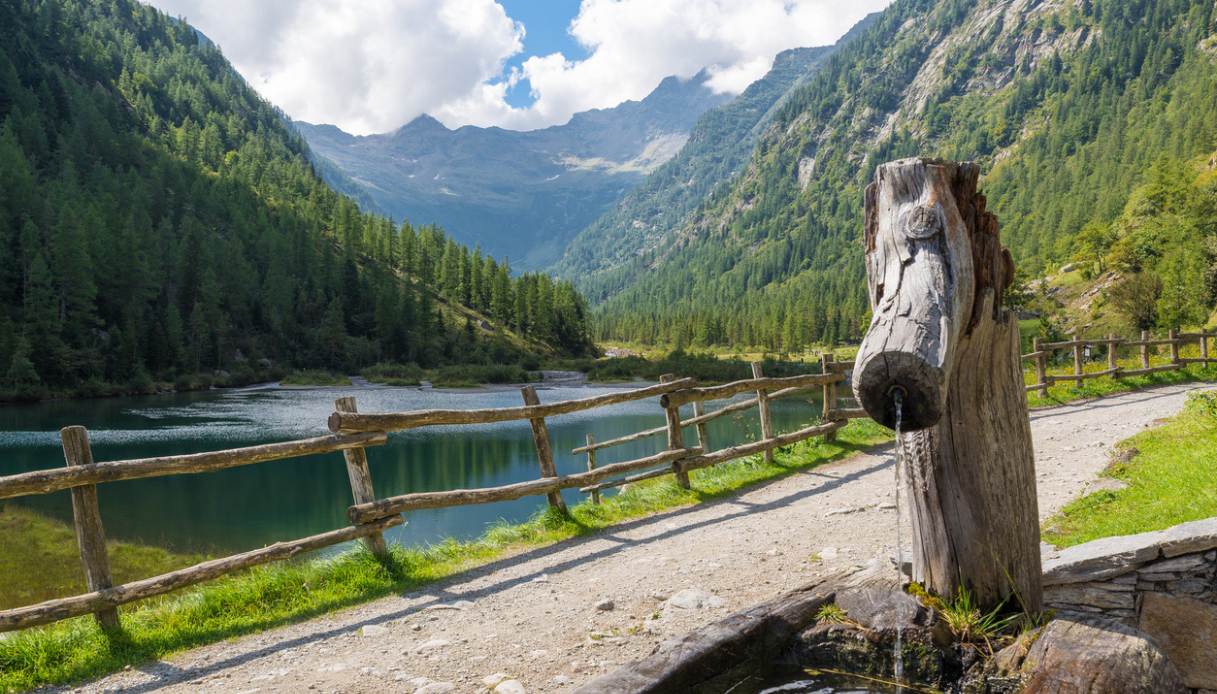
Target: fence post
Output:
[
  {"x": 676, "y": 438},
  {"x": 1204, "y": 345},
  {"x": 361, "y": 480},
  {"x": 1113, "y": 361},
  {"x": 762, "y": 406},
  {"x": 703, "y": 438},
  {"x": 90, "y": 534},
  {"x": 829, "y": 395},
  {"x": 591, "y": 464},
  {"x": 1041, "y": 370},
  {"x": 545, "y": 454},
  {"x": 1077, "y": 359},
  {"x": 1173, "y": 336},
  {"x": 1144, "y": 349}
]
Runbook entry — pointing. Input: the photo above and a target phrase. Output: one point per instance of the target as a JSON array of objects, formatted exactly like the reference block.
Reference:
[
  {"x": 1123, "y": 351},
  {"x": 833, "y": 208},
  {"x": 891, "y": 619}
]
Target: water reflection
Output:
[{"x": 243, "y": 508}]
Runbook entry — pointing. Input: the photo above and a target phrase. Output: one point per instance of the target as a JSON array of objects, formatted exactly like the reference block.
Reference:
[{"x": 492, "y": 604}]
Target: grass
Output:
[
  {"x": 1170, "y": 476},
  {"x": 39, "y": 560},
  {"x": 278, "y": 594},
  {"x": 315, "y": 377}
]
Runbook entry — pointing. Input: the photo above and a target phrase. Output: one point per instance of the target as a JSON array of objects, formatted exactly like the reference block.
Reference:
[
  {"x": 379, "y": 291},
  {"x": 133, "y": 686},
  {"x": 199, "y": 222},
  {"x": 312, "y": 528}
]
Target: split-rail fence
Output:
[
  {"x": 370, "y": 516},
  {"x": 1042, "y": 352}
]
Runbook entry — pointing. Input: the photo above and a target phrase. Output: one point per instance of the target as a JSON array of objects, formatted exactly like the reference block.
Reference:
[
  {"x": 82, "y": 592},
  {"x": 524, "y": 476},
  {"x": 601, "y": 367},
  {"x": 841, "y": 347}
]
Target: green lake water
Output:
[{"x": 248, "y": 507}]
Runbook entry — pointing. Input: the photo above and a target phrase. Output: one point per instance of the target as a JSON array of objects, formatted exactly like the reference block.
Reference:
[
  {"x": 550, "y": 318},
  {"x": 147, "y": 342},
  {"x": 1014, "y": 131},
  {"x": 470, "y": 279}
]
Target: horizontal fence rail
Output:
[{"x": 1080, "y": 348}]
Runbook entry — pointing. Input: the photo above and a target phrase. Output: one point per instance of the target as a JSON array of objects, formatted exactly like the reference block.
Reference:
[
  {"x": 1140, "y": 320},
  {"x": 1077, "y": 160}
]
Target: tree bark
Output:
[{"x": 937, "y": 273}]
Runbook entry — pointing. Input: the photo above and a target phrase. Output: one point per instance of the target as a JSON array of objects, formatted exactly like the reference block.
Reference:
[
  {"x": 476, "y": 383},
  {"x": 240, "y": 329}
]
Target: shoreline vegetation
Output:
[{"x": 278, "y": 594}]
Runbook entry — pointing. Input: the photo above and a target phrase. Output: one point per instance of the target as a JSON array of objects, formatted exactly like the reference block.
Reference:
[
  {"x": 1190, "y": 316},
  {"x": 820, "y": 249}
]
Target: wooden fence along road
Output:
[
  {"x": 371, "y": 516},
  {"x": 1040, "y": 352},
  {"x": 353, "y": 431}
]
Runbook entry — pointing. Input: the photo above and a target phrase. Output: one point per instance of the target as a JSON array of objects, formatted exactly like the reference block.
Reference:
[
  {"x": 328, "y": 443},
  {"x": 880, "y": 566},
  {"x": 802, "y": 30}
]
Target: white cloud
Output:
[{"x": 373, "y": 65}]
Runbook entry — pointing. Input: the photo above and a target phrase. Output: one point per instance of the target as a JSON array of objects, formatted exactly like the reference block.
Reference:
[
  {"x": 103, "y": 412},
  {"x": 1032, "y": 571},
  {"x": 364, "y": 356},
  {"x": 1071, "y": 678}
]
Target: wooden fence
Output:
[
  {"x": 370, "y": 516},
  {"x": 1081, "y": 349}
]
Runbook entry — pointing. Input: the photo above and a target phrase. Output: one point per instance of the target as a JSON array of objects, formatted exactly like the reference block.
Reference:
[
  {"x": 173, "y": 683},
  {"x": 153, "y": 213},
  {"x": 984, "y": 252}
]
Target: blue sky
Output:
[
  {"x": 545, "y": 23},
  {"x": 373, "y": 65}
]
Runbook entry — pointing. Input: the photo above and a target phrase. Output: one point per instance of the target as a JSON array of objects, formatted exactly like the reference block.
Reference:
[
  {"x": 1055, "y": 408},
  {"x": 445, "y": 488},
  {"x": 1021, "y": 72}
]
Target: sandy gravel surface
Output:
[{"x": 555, "y": 617}]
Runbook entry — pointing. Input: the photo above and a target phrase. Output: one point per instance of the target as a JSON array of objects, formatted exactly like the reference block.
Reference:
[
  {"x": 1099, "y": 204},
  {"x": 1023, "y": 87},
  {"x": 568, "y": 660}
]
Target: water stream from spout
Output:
[{"x": 898, "y": 655}]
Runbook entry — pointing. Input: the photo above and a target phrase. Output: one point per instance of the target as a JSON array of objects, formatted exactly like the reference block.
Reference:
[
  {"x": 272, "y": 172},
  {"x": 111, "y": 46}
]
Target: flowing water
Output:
[
  {"x": 243, "y": 508},
  {"x": 898, "y": 655}
]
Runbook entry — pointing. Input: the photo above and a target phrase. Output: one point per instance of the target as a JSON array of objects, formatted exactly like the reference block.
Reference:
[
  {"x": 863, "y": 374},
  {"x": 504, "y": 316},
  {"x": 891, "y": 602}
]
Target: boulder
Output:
[
  {"x": 1092, "y": 656},
  {"x": 1186, "y": 631}
]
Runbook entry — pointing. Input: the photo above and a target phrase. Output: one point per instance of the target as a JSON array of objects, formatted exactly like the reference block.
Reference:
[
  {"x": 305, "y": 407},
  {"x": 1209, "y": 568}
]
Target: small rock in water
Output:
[
  {"x": 509, "y": 687},
  {"x": 606, "y": 606}
]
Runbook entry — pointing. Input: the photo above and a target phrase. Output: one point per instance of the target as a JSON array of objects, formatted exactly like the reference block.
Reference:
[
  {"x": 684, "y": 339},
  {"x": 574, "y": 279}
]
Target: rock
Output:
[
  {"x": 458, "y": 605},
  {"x": 693, "y": 599},
  {"x": 1068, "y": 267},
  {"x": 436, "y": 688},
  {"x": 828, "y": 553},
  {"x": 1101, "y": 595},
  {"x": 509, "y": 687},
  {"x": 1181, "y": 564},
  {"x": 431, "y": 645},
  {"x": 1096, "y": 656},
  {"x": 1186, "y": 631},
  {"x": 493, "y": 680},
  {"x": 1196, "y": 536},
  {"x": 1100, "y": 559},
  {"x": 373, "y": 630},
  {"x": 605, "y": 606},
  {"x": 561, "y": 680}
]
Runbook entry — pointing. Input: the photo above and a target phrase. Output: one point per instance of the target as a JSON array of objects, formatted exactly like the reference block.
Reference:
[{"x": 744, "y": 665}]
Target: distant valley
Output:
[{"x": 518, "y": 195}]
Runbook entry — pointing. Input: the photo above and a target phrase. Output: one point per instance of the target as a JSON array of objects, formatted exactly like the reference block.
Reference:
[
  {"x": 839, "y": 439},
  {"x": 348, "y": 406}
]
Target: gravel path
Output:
[{"x": 554, "y": 617}]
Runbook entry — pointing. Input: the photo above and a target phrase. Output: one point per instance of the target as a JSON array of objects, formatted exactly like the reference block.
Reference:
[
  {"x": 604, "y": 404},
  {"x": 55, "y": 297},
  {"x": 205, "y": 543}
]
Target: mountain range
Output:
[{"x": 518, "y": 195}]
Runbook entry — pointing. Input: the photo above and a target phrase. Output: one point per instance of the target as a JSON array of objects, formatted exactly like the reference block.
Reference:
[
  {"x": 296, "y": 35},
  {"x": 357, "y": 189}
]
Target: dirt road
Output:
[{"x": 554, "y": 617}]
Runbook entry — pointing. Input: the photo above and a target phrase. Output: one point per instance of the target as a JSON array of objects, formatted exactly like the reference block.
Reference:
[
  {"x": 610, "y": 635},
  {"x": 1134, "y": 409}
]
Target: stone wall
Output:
[{"x": 1163, "y": 583}]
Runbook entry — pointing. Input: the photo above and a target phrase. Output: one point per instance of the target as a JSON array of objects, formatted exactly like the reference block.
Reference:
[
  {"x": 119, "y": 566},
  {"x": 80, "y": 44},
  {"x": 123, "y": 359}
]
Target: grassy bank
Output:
[
  {"x": 269, "y": 596},
  {"x": 39, "y": 560},
  {"x": 1170, "y": 475}
]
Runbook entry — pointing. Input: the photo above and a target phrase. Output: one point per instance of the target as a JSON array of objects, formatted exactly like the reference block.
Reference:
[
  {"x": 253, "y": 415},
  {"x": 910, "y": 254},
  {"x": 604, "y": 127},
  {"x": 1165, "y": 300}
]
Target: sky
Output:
[{"x": 371, "y": 66}]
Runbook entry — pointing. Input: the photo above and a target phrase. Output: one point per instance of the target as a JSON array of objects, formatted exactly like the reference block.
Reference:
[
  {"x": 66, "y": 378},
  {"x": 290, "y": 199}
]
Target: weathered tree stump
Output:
[{"x": 942, "y": 339}]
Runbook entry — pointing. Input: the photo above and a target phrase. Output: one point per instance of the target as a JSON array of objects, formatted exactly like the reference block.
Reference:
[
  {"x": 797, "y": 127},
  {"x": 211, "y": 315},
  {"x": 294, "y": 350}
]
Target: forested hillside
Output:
[
  {"x": 158, "y": 220},
  {"x": 1067, "y": 104}
]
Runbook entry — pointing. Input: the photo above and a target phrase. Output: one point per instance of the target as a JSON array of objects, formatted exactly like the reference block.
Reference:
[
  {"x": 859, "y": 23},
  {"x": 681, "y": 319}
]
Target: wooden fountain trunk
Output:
[{"x": 941, "y": 336}]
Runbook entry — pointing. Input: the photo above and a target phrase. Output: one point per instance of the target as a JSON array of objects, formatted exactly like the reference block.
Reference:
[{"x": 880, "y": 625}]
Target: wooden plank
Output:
[
  {"x": 53, "y": 480},
  {"x": 828, "y": 396},
  {"x": 1113, "y": 347},
  {"x": 1194, "y": 360},
  {"x": 848, "y": 413},
  {"x": 340, "y": 422},
  {"x": 727, "y": 390},
  {"x": 1077, "y": 361},
  {"x": 591, "y": 465},
  {"x": 1128, "y": 373},
  {"x": 650, "y": 474},
  {"x": 1041, "y": 366},
  {"x": 620, "y": 440},
  {"x": 109, "y": 598},
  {"x": 746, "y": 449},
  {"x": 762, "y": 406},
  {"x": 363, "y": 513},
  {"x": 361, "y": 480},
  {"x": 1173, "y": 337},
  {"x": 1204, "y": 345},
  {"x": 1144, "y": 349},
  {"x": 703, "y": 438},
  {"x": 676, "y": 441},
  {"x": 545, "y": 454},
  {"x": 86, "y": 515}
]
